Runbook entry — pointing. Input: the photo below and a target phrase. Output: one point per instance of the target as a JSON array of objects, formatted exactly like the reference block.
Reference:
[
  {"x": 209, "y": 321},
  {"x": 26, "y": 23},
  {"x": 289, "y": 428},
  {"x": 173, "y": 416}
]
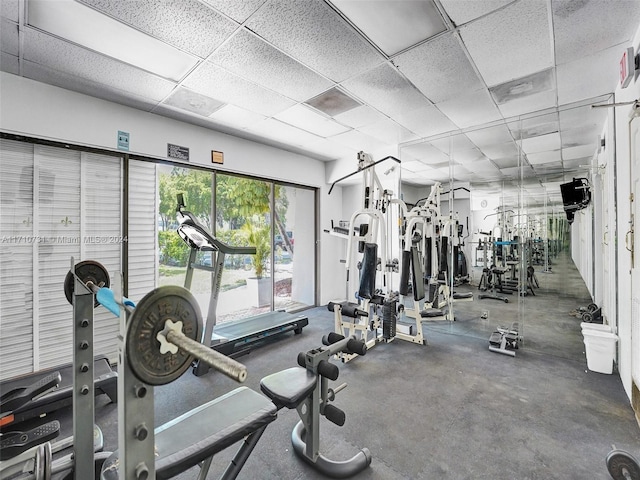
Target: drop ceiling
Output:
[{"x": 486, "y": 84}]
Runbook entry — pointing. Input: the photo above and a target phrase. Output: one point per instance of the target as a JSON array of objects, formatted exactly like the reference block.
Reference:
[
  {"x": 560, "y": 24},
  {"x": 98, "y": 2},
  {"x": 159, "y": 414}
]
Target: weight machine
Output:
[{"x": 370, "y": 238}]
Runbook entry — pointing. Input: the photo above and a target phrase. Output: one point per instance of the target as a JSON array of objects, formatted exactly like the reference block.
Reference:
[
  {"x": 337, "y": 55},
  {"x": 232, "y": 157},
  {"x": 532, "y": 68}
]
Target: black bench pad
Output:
[
  {"x": 462, "y": 295},
  {"x": 204, "y": 431},
  {"x": 431, "y": 312},
  {"x": 288, "y": 388}
]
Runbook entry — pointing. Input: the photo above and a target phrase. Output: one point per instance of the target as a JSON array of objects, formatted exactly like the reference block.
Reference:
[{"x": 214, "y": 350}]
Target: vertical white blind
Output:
[
  {"x": 16, "y": 258},
  {"x": 101, "y": 189},
  {"x": 57, "y": 185},
  {"x": 142, "y": 236},
  {"x": 55, "y": 203}
]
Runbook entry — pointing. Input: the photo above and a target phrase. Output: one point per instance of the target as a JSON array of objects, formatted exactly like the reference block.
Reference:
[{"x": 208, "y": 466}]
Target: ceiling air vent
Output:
[{"x": 333, "y": 102}]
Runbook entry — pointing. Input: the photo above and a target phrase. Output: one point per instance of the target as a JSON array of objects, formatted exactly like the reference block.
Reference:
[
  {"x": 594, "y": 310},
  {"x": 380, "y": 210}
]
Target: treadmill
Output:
[{"x": 236, "y": 337}]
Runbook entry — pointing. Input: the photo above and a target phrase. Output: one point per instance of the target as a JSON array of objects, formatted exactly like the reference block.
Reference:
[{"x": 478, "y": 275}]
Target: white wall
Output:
[
  {"x": 623, "y": 175},
  {"x": 34, "y": 109}
]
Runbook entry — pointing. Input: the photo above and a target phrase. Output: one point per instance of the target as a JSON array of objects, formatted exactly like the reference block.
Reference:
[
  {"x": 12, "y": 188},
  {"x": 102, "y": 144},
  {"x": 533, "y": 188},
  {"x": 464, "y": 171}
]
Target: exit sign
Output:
[{"x": 627, "y": 67}]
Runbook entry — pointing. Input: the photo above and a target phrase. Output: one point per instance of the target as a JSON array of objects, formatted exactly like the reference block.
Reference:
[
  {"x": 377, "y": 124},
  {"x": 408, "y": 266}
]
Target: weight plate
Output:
[
  {"x": 619, "y": 462},
  {"x": 169, "y": 302},
  {"x": 587, "y": 317},
  {"x": 87, "y": 271},
  {"x": 592, "y": 307}
]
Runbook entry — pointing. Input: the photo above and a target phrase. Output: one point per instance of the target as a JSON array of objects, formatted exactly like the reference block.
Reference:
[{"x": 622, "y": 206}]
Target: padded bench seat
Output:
[
  {"x": 431, "y": 313},
  {"x": 288, "y": 388},
  {"x": 462, "y": 295},
  {"x": 204, "y": 431}
]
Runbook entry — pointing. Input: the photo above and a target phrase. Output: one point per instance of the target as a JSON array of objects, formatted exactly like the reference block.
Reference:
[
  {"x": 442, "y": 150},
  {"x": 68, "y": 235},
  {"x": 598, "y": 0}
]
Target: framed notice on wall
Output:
[{"x": 217, "y": 157}]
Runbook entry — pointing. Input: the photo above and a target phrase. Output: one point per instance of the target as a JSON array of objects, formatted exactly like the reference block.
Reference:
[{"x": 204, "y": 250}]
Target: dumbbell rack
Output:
[
  {"x": 83, "y": 388},
  {"x": 135, "y": 399}
]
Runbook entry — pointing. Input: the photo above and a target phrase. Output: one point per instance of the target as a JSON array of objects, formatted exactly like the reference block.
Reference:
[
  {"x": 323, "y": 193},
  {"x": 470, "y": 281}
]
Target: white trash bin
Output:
[
  {"x": 600, "y": 347},
  {"x": 596, "y": 326}
]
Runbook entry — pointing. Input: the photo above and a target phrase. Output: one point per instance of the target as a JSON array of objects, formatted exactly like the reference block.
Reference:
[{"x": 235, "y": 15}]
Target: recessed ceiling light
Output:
[{"x": 88, "y": 28}]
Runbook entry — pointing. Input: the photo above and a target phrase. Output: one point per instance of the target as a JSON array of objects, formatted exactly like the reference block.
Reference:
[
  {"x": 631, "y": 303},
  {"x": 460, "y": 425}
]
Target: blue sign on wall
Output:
[{"x": 123, "y": 140}]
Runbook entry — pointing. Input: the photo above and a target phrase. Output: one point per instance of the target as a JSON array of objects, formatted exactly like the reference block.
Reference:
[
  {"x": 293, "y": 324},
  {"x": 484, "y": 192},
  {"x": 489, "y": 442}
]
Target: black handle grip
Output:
[
  {"x": 356, "y": 346},
  {"x": 302, "y": 360},
  {"x": 332, "y": 338},
  {"x": 328, "y": 370},
  {"x": 334, "y": 415}
]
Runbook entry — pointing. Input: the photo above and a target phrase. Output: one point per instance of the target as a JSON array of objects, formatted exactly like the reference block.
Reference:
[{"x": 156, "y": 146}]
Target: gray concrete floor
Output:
[{"x": 450, "y": 409}]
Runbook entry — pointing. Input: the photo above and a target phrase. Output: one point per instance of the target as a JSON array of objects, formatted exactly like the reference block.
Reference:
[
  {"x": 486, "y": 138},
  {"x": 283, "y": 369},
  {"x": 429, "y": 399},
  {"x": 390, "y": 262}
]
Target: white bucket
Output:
[
  {"x": 600, "y": 347},
  {"x": 596, "y": 326}
]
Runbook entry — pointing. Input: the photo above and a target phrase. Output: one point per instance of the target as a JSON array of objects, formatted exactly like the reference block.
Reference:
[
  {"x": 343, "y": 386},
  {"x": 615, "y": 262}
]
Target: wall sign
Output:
[
  {"x": 627, "y": 67},
  {"x": 177, "y": 152},
  {"x": 217, "y": 157},
  {"x": 123, "y": 140}
]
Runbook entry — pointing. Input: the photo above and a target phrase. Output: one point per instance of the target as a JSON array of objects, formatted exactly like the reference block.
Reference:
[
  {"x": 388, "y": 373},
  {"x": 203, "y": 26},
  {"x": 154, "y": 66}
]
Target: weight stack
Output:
[{"x": 389, "y": 318}]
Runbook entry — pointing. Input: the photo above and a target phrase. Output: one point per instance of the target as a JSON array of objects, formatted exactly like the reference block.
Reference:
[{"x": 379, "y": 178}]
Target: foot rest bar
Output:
[{"x": 330, "y": 468}]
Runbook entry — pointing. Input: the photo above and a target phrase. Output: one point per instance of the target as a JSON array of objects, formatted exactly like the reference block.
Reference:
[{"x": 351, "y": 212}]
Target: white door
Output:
[{"x": 634, "y": 246}]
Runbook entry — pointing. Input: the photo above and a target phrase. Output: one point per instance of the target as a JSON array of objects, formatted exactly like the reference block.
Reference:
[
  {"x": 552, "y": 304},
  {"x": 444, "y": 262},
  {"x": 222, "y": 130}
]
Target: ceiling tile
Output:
[
  {"x": 9, "y": 42},
  {"x": 389, "y": 131},
  {"x": 308, "y": 31},
  {"x": 391, "y": 25},
  {"x": 425, "y": 121},
  {"x": 76, "y": 61},
  {"x": 535, "y": 126},
  {"x": 416, "y": 166},
  {"x": 603, "y": 24},
  {"x": 476, "y": 108},
  {"x": 9, "y": 63},
  {"x": 307, "y": 119},
  {"x": 585, "y": 118},
  {"x": 371, "y": 85},
  {"x": 453, "y": 143},
  {"x": 579, "y": 152},
  {"x": 463, "y": 11},
  {"x": 580, "y": 136},
  {"x": 10, "y": 9},
  {"x": 511, "y": 43},
  {"x": 549, "y": 156},
  {"x": 501, "y": 150},
  {"x": 360, "y": 116},
  {"x": 216, "y": 82},
  {"x": 524, "y": 105},
  {"x": 358, "y": 141},
  {"x": 522, "y": 87},
  {"x": 236, "y": 117},
  {"x": 193, "y": 102},
  {"x": 186, "y": 24},
  {"x": 490, "y": 136},
  {"x": 239, "y": 11},
  {"x": 541, "y": 143},
  {"x": 508, "y": 162},
  {"x": 426, "y": 153},
  {"x": 78, "y": 84},
  {"x": 449, "y": 73},
  {"x": 281, "y": 132},
  {"x": 250, "y": 57},
  {"x": 589, "y": 76}
]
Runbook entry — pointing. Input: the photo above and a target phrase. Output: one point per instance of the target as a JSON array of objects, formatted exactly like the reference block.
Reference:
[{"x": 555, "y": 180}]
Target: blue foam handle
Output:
[{"x": 107, "y": 299}]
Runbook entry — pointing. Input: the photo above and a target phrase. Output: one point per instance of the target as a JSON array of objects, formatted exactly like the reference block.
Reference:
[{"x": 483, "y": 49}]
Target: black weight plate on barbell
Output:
[
  {"x": 592, "y": 307},
  {"x": 170, "y": 302},
  {"x": 87, "y": 271},
  {"x": 618, "y": 461}
]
